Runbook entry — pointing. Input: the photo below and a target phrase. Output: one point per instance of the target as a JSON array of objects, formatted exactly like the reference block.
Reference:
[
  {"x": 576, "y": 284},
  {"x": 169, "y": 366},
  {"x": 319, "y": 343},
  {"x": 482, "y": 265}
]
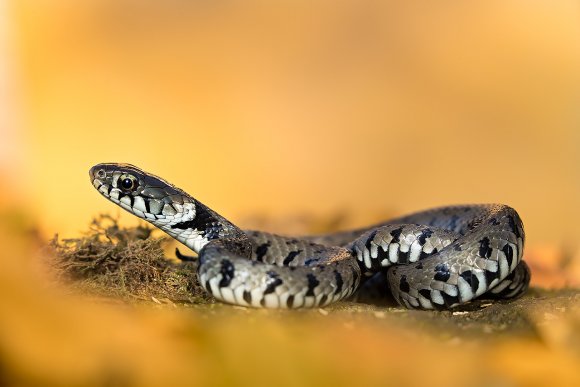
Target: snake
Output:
[{"x": 438, "y": 258}]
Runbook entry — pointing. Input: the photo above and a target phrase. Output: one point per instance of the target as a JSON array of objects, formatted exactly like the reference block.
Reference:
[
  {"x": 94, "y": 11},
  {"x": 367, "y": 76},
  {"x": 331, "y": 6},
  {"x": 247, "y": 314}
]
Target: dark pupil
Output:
[{"x": 127, "y": 183}]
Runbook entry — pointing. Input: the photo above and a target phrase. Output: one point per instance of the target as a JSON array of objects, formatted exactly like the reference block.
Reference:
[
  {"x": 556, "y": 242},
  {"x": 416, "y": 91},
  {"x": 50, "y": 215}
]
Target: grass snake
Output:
[{"x": 434, "y": 259}]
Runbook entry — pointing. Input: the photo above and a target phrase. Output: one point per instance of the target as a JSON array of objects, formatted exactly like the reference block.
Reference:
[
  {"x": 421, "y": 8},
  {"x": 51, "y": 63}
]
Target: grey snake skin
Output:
[{"x": 435, "y": 259}]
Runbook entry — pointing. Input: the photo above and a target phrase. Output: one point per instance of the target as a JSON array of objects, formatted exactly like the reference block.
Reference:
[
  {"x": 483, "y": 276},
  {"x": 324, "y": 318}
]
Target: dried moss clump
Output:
[{"x": 126, "y": 263}]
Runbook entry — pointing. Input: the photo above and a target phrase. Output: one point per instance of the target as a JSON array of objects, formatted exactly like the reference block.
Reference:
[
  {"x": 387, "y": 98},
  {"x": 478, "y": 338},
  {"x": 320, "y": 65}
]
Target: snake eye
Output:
[
  {"x": 101, "y": 174},
  {"x": 127, "y": 183}
]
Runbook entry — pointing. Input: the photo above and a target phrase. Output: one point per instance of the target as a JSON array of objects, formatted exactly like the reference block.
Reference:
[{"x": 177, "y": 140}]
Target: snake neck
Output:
[{"x": 195, "y": 225}]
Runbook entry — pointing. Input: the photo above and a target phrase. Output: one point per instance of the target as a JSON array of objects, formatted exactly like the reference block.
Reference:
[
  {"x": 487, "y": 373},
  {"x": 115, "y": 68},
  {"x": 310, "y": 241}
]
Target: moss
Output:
[{"x": 126, "y": 263}]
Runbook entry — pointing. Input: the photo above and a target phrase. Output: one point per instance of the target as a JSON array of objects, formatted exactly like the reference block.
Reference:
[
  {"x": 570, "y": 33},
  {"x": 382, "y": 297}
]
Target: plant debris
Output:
[{"x": 126, "y": 263}]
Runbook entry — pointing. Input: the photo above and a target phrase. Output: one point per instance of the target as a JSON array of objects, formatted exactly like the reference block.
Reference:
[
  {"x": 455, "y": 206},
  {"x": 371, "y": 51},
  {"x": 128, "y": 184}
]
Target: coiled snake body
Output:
[{"x": 435, "y": 259}]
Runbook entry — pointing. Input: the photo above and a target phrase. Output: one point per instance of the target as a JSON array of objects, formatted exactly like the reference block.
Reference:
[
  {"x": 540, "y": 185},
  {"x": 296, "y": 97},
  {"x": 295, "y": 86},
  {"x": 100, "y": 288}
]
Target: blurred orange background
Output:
[{"x": 280, "y": 108}]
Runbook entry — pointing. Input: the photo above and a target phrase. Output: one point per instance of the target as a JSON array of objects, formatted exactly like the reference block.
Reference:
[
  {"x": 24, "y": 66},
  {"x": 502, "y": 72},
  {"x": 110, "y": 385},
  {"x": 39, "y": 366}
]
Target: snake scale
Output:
[{"x": 435, "y": 259}]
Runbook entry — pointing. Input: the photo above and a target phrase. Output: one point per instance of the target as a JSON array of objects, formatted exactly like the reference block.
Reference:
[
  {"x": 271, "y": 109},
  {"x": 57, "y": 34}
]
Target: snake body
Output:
[{"x": 435, "y": 259}]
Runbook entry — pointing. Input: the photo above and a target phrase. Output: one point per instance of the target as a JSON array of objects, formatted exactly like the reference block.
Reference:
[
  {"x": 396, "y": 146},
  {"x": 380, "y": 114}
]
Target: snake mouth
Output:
[
  {"x": 103, "y": 188},
  {"x": 98, "y": 176}
]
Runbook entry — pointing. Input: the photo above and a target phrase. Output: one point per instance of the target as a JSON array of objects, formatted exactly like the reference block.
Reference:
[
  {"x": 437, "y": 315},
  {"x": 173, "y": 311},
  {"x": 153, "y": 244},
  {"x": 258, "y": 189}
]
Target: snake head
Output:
[
  {"x": 155, "y": 200},
  {"x": 141, "y": 193}
]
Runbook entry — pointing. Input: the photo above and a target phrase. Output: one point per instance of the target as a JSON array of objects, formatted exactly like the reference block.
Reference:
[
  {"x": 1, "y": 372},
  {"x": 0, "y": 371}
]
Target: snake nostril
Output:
[{"x": 98, "y": 172}]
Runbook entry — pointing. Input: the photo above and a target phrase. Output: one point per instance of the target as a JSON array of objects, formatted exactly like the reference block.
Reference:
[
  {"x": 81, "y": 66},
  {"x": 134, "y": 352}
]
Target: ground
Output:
[
  {"x": 128, "y": 263},
  {"x": 117, "y": 311}
]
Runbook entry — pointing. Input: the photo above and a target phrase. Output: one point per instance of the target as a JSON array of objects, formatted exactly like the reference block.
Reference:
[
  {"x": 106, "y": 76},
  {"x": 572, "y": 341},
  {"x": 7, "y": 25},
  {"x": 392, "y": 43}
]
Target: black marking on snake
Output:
[
  {"x": 310, "y": 261},
  {"x": 484, "y": 248},
  {"x": 339, "y": 282},
  {"x": 323, "y": 299},
  {"x": 261, "y": 251},
  {"x": 509, "y": 254},
  {"x": 227, "y": 271},
  {"x": 131, "y": 198},
  {"x": 442, "y": 272},
  {"x": 449, "y": 300},
  {"x": 272, "y": 282},
  {"x": 207, "y": 285},
  {"x": 427, "y": 233},
  {"x": 457, "y": 247},
  {"x": 490, "y": 276},
  {"x": 424, "y": 255},
  {"x": 404, "y": 256},
  {"x": 290, "y": 301},
  {"x": 247, "y": 297},
  {"x": 312, "y": 283},
  {"x": 425, "y": 293},
  {"x": 370, "y": 239},
  {"x": 404, "y": 285},
  {"x": 193, "y": 224},
  {"x": 290, "y": 257},
  {"x": 396, "y": 234},
  {"x": 494, "y": 222},
  {"x": 471, "y": 279},
  {"x": 419, "y": 266}
]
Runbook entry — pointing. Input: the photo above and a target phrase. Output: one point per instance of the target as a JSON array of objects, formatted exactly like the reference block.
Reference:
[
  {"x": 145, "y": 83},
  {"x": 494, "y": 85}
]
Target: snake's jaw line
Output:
[{"x": 435, "y": 259}]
